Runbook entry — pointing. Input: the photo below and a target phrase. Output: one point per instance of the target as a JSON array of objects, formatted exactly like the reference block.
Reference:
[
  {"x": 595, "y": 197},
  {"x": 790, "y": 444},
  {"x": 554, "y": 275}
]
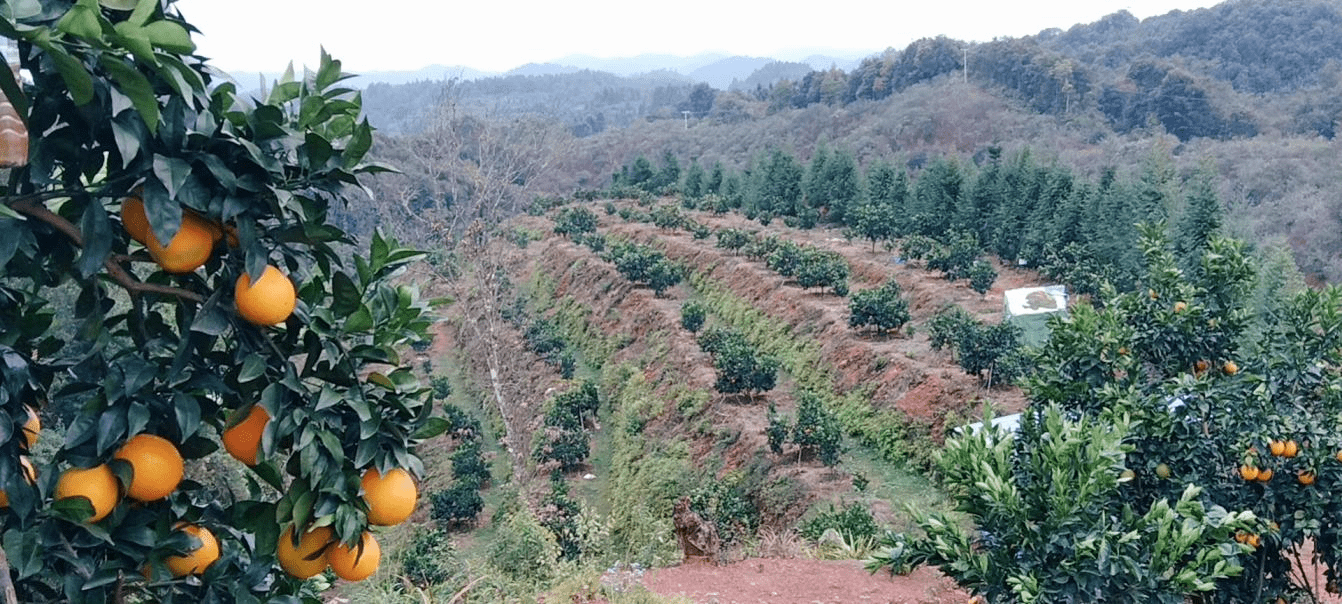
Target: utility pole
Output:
[
  {"x": 687, "y": 119},
  {"x": 965, "y": 62}
]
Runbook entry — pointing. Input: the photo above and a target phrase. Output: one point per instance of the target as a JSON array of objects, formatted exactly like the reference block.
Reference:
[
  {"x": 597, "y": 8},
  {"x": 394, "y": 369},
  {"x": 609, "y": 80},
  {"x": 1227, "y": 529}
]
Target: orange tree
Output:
[
  {"x": 1244, "y": 410},
  {"x": 135, "y": 143}
]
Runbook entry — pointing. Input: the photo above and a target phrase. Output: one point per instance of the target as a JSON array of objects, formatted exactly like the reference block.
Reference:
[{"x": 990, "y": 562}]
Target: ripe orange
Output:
[
  {"x": 308, "y": 558},
  {"x": 269, "y": 301},
  {"x": 242, "y": 440},
  {"x": 1201, "y": 366},
  {"x": 32, "y": 427},
  {"x": 1264, "y": 474},
  {"x": 1248, "y": 472},
  {"x": 1339, "y": 455},
  {"x": 1291, "y": 449},
  {"x": 1252, "y": 540},
  {"x": 1305, "y": 477},
  {"x": 189, "y": 248},
  {"x": 156, "y": 464},
  {"x": 97, "y": 484},
  {"x": 1277, "y": 447},
  {"x": 199, "y": 559},
  {"x": 1230, "y": 367},
  {"x": 391, "y": 498},
  {"x": 355, "y": 563},
  {"x": 134, "y": 220},
  {"x": 29, "y": 472}
]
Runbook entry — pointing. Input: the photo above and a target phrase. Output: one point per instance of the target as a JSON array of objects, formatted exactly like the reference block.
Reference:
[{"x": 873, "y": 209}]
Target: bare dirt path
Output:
[{"x": 800, "y": 581}]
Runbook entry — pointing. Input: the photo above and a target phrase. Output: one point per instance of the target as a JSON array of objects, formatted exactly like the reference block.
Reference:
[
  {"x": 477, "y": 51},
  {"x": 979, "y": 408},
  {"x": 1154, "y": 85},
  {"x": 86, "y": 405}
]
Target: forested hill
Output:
[{"x": 1233, "y": 70}]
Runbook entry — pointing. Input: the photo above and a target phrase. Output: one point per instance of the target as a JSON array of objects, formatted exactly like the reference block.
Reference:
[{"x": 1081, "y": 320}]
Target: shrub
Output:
[
  {"x": 692, "y": 315},
  {"x": 739, "y": 367},
  {"x": 468, "y": 465},
  {"x": 523, "y": 550},
  {"x": 982, "y": 275},
  {"x": 882, "y": 307},
  {"x": 854, "y": 522},
  {"x": 442, "y": 387},
  {"x": 777, "y": 431},
  {"x": 457, "y": 506},
  {"x": 944, "y": 329},
  {"x": 430, "y": 559},
  {"x": 667, "y": 217},
  {"x": 823, "y": 268},
  {"x": 817, "y": 430},
  {"x": 732, "y": 239},
  {"x": 574, "y": 221}
]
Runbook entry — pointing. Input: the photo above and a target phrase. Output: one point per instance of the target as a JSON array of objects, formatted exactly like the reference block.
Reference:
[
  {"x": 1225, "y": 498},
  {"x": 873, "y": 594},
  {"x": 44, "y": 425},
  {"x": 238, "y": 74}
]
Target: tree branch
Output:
[
  {"x": 31, "y": 207},
  {"x": 7, "y": 593}
]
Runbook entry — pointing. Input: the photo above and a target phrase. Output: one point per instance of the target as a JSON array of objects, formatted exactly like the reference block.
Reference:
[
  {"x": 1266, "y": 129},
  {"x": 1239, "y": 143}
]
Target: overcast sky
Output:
[{"x": 497, "y": 35}]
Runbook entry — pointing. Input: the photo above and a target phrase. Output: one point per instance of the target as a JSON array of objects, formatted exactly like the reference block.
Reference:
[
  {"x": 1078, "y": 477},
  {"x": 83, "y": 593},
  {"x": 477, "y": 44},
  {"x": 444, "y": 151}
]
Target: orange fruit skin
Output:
[
  {"x": 1248, "y": 472},
  {"x": 1291, "y": 449},
  {"x": 29, "y": 472},
  {"x": 97, "y": 484},
  {"x": 189, "y": 248},
  {"x": 243, "y": 440},
  {"x": 32, "y": 427},
  {"x": 355, "y": 563},
  {"x": 269, "y": 301},
  {"x": 157, "y": 466},
  {"x": 1230, "y": 367},
  {"x": 1306, "y": 478},
  {"x": 200, "y": 558},
  {"x": 391, "y": 498},
  {"x": 1276, "y": 447},
  {"x": 1264, "y": 474},
  {"x": 134, "y": 220},
  {"x": 294, "y": 560}
]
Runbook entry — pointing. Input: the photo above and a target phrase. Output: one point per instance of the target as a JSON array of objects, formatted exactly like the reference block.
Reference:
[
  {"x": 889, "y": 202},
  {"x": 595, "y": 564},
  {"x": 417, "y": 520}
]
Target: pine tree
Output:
[{"x": 1200, "y": 219}]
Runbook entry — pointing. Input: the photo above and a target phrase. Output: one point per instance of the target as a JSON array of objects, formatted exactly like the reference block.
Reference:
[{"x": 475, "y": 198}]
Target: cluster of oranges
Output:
[
  {"x": 268, "y": 301},
  {"x": 391, "y": 500},
  {"x": 157, "y": 467},
  {"x": 1288, "y": 449}
]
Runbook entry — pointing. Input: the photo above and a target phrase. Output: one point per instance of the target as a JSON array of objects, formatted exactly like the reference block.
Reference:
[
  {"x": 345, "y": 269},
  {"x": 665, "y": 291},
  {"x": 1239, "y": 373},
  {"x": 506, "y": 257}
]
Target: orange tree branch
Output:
[{"x": 32, "y": 208}]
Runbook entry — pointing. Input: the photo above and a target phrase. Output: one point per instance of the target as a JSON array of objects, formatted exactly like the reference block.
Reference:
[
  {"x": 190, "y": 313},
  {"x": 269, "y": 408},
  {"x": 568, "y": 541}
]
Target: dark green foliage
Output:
[
  {"x": 777, "y": 431},
  {"x": 593, "y": 241},
  {"x": 955, "y": 260},
  {"x": 946, "y": 327},
  {"x": 430, "y": 559},
  {"x": 873, "y": 222},
  {"x": 695, "y": 181},
  {"x": 698, "y": 230},
  {"x": 543, "y": 338},
  {"x": 823, "y": 268},
  {"x": 785, "y": 258},
  {"x": 609, "y": 208},
  {"x": 981, "y": 276},
  {"x": 468, "y": 465},
  {"x": 854, "y": 522},
  {"x": 981, "y": 347},
  {"x": 564, "y": 439},
  {"x": 645, "y": 265},
  {"x": 574, "y": 221},
  {"x": 917, "y": 247},
  {"x": 732, "y": 239},
  {"x": 457, "y": 506},
  {"x": 1198, "y": 223},
  {"x": 817, "y": 430},
  {"x": 883, "y": 308},
  {"x": 740, "y": 367},
  {"x": 461, "y": 424},
  {"x": 692, "y": 315},
  {"x": 776, "y": 187},
  {"x": 559, "y": 514},
  {"x": 728, "y": 504},
  {"x": 667, "y": 217},
  {"x": 442, "y": 387}
]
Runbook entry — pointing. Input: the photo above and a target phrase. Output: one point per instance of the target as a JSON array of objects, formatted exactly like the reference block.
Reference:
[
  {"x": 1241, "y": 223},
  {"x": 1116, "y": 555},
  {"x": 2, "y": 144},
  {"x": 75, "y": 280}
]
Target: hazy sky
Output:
[{"x": 497, "y": 35}]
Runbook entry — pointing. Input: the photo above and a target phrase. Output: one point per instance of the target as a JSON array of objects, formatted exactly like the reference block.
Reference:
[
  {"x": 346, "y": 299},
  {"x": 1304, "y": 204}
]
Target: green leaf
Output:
[
  {"x": 82, "y": 21},
  {"x": 253, "y": 367},
  {"x": 97, "y": 230},
  {"x": 77, "y": 79},
  {"x": 359, "y": 320},
  {"x": 143, "y": 10},
  {"x": 173, "y": 172},
  {"x": 187, "y": 411},
  {"x": 431, "y": 428},
  {"x": 133, "y": 84},
  {"x": 170, "y": 36},
  {"x": 358, "y": 145},
  {"x": 133, "y": 38}
]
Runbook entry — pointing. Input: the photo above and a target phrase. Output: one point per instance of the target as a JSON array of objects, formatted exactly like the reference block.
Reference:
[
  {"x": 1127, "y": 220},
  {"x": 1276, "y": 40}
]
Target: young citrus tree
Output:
[{"x": 171, "y": 284}]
